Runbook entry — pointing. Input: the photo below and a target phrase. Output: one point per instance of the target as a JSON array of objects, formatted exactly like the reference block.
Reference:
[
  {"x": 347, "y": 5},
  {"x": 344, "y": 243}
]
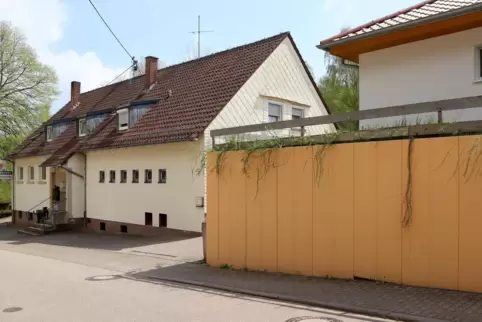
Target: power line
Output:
[
  {"x": 112, "y": 32},
  {"x": 112, "y": 81}
]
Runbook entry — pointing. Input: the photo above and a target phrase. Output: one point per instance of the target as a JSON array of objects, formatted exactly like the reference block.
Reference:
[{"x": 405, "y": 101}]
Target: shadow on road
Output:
[{"x": 92, "y": 240}]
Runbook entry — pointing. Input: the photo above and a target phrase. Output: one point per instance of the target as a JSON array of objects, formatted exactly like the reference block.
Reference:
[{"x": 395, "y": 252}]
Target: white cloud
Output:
[{"x": 42, "y": 23}]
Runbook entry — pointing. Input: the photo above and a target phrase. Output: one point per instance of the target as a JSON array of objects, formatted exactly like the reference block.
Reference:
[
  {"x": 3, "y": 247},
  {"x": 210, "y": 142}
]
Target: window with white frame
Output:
[
  {"x": 31, "y": 173},
  {"x": 42, "y": 173},
  {"x": 20, "y": 173},
  {"x": 123, "y": 119},
  {"x": 478, "y": 63},
  {"x": 82, "y": 127},
  {"x": 274, "y": 112},
  {"x": 49, "y": 133},
  {"x": 297, "y": 113}
]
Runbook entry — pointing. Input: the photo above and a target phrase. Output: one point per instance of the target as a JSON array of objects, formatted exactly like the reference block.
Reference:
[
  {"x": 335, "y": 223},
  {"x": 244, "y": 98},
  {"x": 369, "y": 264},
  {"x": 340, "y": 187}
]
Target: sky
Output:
[{"x": 69, "y": 36}]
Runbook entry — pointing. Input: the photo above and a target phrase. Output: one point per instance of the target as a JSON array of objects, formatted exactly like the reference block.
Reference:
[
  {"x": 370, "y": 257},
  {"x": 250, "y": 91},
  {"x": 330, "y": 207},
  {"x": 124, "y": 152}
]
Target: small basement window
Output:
[
  {"x": 102, "y": 226},
  {"x": 148, "y": 218},
  {"x": 31, "y": 173},
  {"x": 123, "y": 229},
  {"x": 82, "y": 127},
  {"x": 112, "y": 176},
  {"x": 123, "y": 176},
  {"x": 162, "y": 176},
  {"x": 101, "y": 176},
  {"x": 148, "y": 176},
  {"x": 42, "y": 173},
  {"x": 123, "y": 119},
  {"x": 162, "y": 220},
  {"x": 274, "y": 112},
  {"x": 478, "y": 63},
  {"x": 135, "y": 176}
]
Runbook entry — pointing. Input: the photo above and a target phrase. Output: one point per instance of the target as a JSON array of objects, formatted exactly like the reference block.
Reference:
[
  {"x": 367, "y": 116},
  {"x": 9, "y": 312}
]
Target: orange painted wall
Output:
[{"x": 338, "y": 211}]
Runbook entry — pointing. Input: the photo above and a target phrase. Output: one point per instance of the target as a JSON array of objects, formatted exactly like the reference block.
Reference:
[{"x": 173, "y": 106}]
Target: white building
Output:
[
  {"x": 123, "y": 155},
  {"x": 428, "y": 52}
]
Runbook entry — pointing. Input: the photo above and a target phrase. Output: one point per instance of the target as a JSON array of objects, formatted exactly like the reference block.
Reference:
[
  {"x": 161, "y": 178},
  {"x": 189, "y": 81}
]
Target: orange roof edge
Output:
[
  {"x": 341, "y": 38},
  {"x": 373, "y": 22}
]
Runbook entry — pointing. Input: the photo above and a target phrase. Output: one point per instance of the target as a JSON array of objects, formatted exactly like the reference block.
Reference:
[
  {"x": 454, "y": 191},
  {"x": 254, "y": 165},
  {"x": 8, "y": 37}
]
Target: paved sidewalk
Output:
[{"x": 378, "y": 299}]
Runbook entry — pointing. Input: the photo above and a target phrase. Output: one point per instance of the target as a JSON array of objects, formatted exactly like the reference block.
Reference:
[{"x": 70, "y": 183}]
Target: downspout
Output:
[
  {"x": 13, "y": 190},
  {"x": 85, "y": 189}
]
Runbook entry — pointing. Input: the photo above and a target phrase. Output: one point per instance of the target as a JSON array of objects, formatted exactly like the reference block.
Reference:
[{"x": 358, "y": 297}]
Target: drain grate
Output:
[
  {"x": 312, "y": 318},
  {"x": 12, "y": 309}
]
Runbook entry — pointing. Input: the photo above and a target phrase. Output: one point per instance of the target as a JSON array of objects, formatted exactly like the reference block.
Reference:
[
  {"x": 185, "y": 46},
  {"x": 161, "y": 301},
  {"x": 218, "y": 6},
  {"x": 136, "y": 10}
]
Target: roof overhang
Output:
[{"x": 433, "y": 26}]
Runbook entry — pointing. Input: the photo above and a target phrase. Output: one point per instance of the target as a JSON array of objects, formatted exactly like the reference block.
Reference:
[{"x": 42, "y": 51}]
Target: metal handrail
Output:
[{"x": 38, "y": 204}]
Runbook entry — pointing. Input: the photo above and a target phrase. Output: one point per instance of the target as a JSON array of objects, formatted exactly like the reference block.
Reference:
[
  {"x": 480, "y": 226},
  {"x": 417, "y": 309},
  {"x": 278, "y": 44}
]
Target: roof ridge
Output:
[
  {"x": 225, "y": 51},
  {"x": 286, "y": 33}
]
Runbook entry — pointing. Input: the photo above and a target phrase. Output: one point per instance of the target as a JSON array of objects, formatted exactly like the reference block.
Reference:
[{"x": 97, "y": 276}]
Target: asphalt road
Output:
[{"x": 51, "y": 286}]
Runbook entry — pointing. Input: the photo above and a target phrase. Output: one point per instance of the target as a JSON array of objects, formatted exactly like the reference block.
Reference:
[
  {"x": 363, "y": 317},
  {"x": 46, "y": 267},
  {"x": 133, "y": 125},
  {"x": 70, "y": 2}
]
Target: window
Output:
[
  {"x": 148, "y": 218},
  {"x": 92, "y": 122},
  {"x": 135, "y": 176},
  {"x": 123, "y": 229},
  {"x": 123, "y": 175},
  {"x": 31, "y": 173},
  {"x": 136, "y": 112},
  {"x": 82, "y": 127},
  {"x": 42, "y": 173},
  {"x": 20, "y": 173},
  {"x": 162, "y": 176},
  {"x": 147, "y": 176},
  {"x": 274, "y": 112},
  {"x": 102, "y": 226},
  {"x": 297, "y": 113},
  {"x": 101, "y": 176},
  {"x": 123, "y": 119},
  {"x": 162, "y": 220},
  {"x": 112, "y": 176},
  {"x": 478, "y": 63},
  {"x": 49, "y": 133},
  {"x": 54, "y": 131}
]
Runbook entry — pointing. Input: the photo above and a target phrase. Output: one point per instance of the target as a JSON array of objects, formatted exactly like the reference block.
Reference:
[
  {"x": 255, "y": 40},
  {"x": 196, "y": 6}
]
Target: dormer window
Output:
[
  {"x": 123, "y": 119},
  {"x": 136, "y": 112},
  {"x": 82, "y": 127},
  {"x": 90, "y": 123},
  {"x": 54, "y": 131},
  {"x": 50, "y": 133}
]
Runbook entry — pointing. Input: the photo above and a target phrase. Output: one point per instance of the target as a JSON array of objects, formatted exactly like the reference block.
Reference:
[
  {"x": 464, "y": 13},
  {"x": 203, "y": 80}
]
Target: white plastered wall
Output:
[
  {"x": 428, "y": 70},
  {"x": 31, "y": 195},
  {"x": 128, "y": 202}
]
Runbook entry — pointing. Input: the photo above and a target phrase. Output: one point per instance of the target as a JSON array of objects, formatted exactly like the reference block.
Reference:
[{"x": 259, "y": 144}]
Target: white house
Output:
[
  {"x": 123, "y": 155},
  {"x": 429, "y": 52}
]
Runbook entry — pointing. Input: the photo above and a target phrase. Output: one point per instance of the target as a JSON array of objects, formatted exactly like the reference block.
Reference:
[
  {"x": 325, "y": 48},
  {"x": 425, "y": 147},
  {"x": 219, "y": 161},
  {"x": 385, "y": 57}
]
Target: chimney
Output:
[
  {"x": 151, "y": 71},
  {"x": 74, "y": 94}
]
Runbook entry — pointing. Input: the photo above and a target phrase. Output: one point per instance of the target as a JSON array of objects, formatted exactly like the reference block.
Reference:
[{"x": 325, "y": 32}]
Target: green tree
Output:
[
  {"x": 339, "y": 87},
  {"x": 27, "y": 88}
]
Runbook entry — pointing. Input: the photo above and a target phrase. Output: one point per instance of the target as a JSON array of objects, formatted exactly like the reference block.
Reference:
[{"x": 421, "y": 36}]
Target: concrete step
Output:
[{"x": 27, "y": 232}]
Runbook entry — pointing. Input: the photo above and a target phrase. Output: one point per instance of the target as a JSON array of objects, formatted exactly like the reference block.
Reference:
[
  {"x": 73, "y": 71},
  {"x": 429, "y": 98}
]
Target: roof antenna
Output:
[
  {"x": 135, "y": 67},
  {"x": 198, "y": 32}
]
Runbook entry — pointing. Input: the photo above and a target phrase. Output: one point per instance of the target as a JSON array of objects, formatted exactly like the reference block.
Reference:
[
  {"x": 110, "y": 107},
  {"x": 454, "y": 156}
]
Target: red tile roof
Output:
[
  {"x": 200, "y": 89},
  {"x": 419, "y": 11}
]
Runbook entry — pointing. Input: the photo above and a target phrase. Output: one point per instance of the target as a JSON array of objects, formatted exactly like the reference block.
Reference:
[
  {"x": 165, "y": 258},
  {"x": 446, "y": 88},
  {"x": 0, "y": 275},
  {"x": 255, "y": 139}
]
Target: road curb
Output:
[{"x": 327, "y": 305}]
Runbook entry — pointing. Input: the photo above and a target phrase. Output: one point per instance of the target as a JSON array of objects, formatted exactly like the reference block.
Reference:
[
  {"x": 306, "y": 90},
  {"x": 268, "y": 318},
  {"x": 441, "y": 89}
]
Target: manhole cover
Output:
[
  {"x": 103, "y": 278},
  {"x": 313, "y": 319},
  {"x": 12, "y": 309}
]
